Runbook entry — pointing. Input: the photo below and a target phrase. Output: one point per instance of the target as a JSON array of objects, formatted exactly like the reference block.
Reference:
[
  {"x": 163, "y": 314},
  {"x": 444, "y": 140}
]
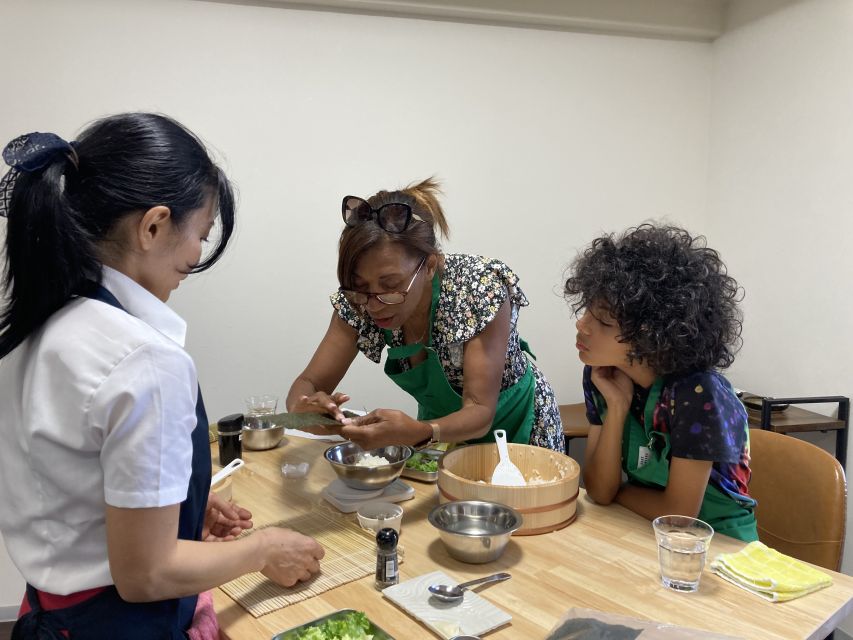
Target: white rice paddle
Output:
[
  {"x": 230, "y": 468},
  {"x": 506, "y": 473}
]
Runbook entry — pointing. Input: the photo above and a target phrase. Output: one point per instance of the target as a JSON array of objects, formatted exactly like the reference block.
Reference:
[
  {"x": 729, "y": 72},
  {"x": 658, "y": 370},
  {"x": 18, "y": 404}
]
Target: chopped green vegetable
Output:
[
  {"x": 422, "y": 462},
  {"x": 353, "y": 626}
]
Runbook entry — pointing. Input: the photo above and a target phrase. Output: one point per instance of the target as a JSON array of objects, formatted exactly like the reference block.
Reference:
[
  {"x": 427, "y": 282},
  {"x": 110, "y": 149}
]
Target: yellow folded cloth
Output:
[{"x": 768, "y": 573}]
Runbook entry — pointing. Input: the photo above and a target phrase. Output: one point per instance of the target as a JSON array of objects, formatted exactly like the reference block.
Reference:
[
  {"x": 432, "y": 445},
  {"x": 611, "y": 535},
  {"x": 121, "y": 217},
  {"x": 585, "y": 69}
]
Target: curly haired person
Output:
[{"x": 658, "y": 319}]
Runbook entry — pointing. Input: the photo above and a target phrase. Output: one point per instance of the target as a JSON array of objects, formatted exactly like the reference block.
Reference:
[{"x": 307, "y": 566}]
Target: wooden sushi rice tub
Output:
[{"x": 547, "y": 503}]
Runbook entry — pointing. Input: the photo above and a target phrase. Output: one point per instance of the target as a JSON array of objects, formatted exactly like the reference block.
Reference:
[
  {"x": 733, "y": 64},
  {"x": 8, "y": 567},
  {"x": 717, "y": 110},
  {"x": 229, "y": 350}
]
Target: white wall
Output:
[
  {"x": 781, "y": 194},
  {"x": 541, "y": 138}
]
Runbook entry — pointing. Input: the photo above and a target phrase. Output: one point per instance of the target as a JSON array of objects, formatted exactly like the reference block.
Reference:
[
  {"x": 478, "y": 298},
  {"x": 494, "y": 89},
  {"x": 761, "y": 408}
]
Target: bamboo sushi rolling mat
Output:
[{"x": 350, "y": 555}]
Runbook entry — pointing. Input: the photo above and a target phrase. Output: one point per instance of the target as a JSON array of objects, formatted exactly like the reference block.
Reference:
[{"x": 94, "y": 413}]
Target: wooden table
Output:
[{"x": 605, "y": 560}]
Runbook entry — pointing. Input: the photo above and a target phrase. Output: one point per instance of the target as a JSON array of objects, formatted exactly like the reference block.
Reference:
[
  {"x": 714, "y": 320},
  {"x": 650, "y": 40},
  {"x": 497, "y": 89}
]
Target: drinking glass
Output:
[
  {"x": 258, "y": 410},
  {"x": 682, "y": 547}
]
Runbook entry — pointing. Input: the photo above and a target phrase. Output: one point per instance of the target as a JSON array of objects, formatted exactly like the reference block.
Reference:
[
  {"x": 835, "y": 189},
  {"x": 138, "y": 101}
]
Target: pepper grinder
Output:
[
  {"x": 230, "y": 430},
  {"x": 386, "y": 558}
]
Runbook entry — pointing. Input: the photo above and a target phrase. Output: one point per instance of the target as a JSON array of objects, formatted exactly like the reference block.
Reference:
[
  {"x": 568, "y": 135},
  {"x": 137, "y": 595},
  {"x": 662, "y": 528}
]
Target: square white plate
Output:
[{"x": 473, "y": 616}]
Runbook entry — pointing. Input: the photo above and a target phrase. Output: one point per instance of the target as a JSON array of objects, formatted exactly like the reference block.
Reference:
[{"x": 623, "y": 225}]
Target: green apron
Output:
[
  {"x": 436, "y": 398},
  {"x": 646, "y": 459}
]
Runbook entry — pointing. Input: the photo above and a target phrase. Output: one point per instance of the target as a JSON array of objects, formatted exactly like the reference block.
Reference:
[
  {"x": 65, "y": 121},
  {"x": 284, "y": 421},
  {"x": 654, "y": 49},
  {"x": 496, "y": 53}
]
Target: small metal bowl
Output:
[
  {"x": 260, "y": 438},
  {"x": 475, "y": 531},
  {"x": 343, "y": 458},
  {"x": 417, "y": 474}
]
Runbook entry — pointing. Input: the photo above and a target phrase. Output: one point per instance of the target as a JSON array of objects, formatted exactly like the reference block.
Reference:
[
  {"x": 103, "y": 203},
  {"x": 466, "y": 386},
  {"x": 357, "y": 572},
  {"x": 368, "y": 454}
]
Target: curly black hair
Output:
[{"x": 674, "y": 302}]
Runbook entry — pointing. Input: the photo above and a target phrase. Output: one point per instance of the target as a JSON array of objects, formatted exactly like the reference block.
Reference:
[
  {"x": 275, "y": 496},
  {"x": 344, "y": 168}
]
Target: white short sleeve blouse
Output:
[{"x": 98, "y": 408}]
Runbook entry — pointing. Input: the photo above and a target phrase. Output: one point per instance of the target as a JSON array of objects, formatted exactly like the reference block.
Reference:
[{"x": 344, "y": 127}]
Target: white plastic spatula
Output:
[
  {"x": 230, "y": 468},
  {"x": 506, "y": 473}
]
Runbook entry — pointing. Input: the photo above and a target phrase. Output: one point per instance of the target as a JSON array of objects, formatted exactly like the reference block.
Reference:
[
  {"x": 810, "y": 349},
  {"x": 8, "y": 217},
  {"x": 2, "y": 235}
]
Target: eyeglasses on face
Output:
[
  {"x": 394, "y": 217},
  {"x": 361, "y": 298}
]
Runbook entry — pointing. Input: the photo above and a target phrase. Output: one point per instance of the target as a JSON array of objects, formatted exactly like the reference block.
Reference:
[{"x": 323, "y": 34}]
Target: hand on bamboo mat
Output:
[{"x": 350, "y": 555}]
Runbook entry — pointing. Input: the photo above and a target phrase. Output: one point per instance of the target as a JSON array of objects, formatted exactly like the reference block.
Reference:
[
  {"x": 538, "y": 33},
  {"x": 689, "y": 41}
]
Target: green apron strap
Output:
[
  {"x": 515, "y": 410},
  {"x": 647, "y": 463},
  {"x": 428, "y": 384},
  {"x": 643, "y": 459}
]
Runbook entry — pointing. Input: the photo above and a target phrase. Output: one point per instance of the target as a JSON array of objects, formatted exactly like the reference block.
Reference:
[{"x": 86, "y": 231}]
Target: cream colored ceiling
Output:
[{"x": 700, "y": 20}]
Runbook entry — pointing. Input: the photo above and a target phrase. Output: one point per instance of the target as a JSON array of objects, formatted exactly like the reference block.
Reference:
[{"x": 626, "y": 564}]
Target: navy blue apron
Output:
[{"x": 106, "y": 616}]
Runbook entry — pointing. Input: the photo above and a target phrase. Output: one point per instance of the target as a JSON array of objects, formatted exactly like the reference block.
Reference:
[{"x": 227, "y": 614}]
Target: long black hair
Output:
[
  {"x": 60, "y": 216},
  {"x": 674, "y": 301}
]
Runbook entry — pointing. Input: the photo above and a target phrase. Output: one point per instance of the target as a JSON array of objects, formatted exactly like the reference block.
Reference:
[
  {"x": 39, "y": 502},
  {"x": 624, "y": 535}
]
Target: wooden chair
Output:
[
  {"x": 802, "y": 498},
  {"x": 575, "y": 424}
]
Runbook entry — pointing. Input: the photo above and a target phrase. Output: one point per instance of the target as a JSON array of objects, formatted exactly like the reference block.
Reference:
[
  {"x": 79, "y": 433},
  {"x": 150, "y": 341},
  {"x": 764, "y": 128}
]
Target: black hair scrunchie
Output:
[{"x": 30, "y": 152}]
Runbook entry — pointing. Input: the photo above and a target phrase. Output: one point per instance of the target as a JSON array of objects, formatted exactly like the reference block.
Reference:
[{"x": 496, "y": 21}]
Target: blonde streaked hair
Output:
[{"x": 419, "y": 239}]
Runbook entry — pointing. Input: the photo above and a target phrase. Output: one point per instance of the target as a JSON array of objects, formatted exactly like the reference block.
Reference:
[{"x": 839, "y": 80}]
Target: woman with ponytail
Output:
[
  {"x": 449, "y": 322},
  {"x": 105, "y": 465}
]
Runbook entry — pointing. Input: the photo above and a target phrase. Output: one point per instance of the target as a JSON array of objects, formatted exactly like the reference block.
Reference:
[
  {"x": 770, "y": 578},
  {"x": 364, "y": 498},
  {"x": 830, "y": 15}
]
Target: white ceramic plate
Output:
[{"x": 473, "y": 616}]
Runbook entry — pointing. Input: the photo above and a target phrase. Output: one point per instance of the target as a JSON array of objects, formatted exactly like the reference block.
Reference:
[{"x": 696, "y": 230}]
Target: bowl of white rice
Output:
[{"x": 373, "y": 469}]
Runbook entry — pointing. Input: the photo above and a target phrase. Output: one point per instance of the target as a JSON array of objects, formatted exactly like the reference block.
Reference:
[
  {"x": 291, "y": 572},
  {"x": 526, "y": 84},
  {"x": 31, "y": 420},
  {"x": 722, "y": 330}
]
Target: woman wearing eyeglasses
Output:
[{"x": 448, "y": 321}]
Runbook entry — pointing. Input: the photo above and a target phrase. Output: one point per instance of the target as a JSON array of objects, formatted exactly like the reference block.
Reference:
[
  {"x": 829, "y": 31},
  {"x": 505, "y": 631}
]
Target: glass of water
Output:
[
  {"x": 682, "y": 547},
  {"x": 259, "y": 409}
]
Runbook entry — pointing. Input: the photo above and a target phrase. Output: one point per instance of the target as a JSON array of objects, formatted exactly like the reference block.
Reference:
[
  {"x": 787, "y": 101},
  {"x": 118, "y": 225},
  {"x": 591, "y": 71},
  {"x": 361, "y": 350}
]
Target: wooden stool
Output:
[{"x": 575, "y": 424}]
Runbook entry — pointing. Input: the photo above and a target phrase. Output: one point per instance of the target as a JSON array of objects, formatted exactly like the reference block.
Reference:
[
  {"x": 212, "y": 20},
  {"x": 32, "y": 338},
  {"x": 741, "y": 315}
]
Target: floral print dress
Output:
[{"x": 473, "y": 289}]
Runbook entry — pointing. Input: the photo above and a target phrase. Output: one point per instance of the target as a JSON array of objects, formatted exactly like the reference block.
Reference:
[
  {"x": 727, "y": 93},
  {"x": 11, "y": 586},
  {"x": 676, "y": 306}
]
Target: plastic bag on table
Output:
[{"x": 589, "y": 624}]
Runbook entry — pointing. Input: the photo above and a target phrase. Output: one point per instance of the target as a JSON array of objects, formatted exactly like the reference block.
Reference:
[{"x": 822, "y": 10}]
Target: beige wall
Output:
[
  {"x": 542, "y": 139},
  {"x": 781, "y": 194}
]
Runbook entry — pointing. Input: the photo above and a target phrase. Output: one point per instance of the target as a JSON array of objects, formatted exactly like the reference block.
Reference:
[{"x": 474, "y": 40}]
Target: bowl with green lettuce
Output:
[
  {"x": 423, "y": 465},
  {"x": 346, "y": 624}
]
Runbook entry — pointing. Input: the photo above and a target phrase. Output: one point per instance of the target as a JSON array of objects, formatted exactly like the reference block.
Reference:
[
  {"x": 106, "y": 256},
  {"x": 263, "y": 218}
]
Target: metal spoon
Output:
[{"x": 448, "y": 593}]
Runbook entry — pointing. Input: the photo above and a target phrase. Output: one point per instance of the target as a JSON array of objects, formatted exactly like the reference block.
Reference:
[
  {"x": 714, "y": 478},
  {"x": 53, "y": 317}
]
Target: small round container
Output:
[
  {"x": 299, "y": 470},
  {"x": 229, "y": 434},
  {"x": 475, "y": 531},
  {"x": 258, "y": 439},
  {"x": 376, "y": 515}
]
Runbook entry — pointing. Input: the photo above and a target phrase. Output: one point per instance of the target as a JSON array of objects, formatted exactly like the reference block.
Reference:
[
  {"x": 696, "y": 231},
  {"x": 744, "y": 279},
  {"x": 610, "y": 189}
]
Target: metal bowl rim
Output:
[
  {"x": 274, "y": 427},
  {"x": 519, "y": 521},
  {"x": 406, "y": 449}
]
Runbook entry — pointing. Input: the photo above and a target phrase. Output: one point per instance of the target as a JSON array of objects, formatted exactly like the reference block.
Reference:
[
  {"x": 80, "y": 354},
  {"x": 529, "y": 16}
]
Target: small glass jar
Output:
[{"x": 230, "y": 430}]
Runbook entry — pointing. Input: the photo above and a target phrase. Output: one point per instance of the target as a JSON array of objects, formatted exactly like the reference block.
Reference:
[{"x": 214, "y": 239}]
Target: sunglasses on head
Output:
[{"x": 394, "y": 217}]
